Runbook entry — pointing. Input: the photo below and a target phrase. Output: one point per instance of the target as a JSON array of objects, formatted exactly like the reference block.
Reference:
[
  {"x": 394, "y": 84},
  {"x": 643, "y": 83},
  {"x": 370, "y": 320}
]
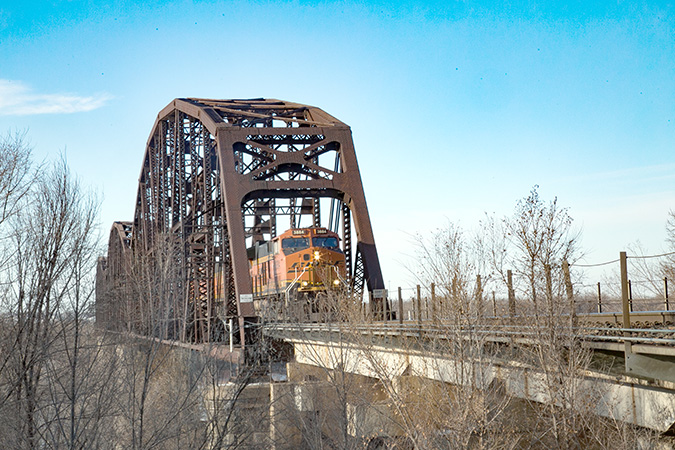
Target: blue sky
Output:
[{"x": 457, "y": 108}]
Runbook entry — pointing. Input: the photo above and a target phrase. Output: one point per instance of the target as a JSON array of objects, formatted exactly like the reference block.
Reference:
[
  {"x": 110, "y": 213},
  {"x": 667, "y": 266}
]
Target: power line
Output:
[
  {"x": 616, "y": 260},
  {"x": 652, "y": 256},
  {"x": 595, "y": 265}
]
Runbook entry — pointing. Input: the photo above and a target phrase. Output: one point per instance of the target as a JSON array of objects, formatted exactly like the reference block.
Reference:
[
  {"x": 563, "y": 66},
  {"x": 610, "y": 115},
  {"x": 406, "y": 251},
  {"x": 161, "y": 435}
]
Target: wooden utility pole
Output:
[
  {"x": 433, "y": 302},
  {"x": 400, "y": 306},
  {"x": 419, "y": 306},
  {"x": 570, "y": 293},
  {"x": 479, "y": 295},
  {"x": 625, "y": 294},
  {"x": 512, "y": 295},
  {"x": 665, "y": 293},
  {"x": 625, "y": 298}
]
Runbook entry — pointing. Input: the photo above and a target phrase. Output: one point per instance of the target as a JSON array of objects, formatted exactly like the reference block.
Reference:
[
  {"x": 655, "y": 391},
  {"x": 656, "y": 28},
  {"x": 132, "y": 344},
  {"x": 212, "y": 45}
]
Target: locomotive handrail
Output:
[
  {"x": 337, "y": 272},
  {"x": 287, "y": 291}
]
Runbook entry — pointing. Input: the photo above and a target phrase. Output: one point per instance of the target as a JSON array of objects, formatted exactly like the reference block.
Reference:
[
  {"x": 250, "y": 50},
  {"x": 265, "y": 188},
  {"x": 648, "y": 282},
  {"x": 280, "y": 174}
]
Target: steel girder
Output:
[{"x": 219, "y": 175}]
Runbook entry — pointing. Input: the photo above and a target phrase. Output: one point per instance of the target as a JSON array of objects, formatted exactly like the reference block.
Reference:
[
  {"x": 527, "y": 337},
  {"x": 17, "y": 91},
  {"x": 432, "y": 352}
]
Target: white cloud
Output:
[{"x": 19, "y": 99}]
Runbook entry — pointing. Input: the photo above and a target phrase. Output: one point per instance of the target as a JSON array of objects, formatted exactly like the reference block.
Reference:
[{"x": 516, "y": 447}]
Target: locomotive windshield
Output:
[
  {"x": 328, "y": 242},
  {"x": 292, "y": 245}
]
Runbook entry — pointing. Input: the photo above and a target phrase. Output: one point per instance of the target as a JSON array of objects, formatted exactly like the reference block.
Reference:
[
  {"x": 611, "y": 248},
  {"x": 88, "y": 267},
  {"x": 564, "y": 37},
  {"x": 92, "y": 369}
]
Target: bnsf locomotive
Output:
[{"x": 300, "y": 263}]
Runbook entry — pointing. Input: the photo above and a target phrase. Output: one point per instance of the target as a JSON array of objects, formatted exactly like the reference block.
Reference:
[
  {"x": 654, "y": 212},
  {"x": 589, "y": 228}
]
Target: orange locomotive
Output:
[{"x": 301, "y": 261}]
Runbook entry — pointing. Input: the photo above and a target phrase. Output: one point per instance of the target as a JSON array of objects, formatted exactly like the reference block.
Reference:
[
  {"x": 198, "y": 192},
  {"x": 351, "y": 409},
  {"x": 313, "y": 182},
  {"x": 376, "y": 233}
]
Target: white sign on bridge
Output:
[{"x": 380, "y": 293}]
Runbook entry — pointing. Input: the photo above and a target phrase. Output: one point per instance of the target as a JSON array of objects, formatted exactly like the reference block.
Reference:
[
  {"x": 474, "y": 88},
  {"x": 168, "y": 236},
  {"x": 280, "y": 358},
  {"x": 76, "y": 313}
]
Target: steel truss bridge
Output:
[{"x": 218, "y": 176}]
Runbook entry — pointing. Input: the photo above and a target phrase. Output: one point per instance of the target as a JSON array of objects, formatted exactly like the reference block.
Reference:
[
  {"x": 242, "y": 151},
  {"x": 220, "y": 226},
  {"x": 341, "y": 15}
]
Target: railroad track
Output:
[{"x": 654, "y": 339}]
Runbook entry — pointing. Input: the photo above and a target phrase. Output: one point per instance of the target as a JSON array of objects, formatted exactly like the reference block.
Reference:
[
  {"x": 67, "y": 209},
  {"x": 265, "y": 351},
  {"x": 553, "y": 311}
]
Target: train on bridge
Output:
[{"x": 298, "y": 266}]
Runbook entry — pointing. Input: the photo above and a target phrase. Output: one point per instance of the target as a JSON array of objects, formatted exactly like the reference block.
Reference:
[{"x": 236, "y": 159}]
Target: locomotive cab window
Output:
[
  {"x": 327, "y": 242},
  {"x": 292, "y": 245}
]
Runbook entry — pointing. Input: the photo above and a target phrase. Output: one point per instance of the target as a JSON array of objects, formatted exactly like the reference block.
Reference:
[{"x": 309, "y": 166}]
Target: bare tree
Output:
[
  {"x": 542, "y": 237},
  {"x": 78, "y": 371},
  {"x": 52, "y": 235},
  {"x": 536, "y": 242},
  {"x": 15, "y": 171},
  {"x": 452, "y": 261},
  {"x": 668, "y": 264},
  {"x": 63, "y": 382}
]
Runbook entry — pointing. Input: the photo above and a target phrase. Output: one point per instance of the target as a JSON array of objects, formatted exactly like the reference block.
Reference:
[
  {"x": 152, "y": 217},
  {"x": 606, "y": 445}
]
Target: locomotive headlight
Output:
[
  {"x": 304, "y": 283},
  {"x": 316, "y": 255},
  {"x": 336, "y": 282}
]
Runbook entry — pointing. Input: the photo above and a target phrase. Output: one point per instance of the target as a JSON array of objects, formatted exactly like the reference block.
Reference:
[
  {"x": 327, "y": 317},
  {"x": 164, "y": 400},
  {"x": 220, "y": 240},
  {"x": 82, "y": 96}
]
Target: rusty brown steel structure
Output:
[
  {"x": 111, "y": 272},
  {"x": 217, "y": 176}
]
